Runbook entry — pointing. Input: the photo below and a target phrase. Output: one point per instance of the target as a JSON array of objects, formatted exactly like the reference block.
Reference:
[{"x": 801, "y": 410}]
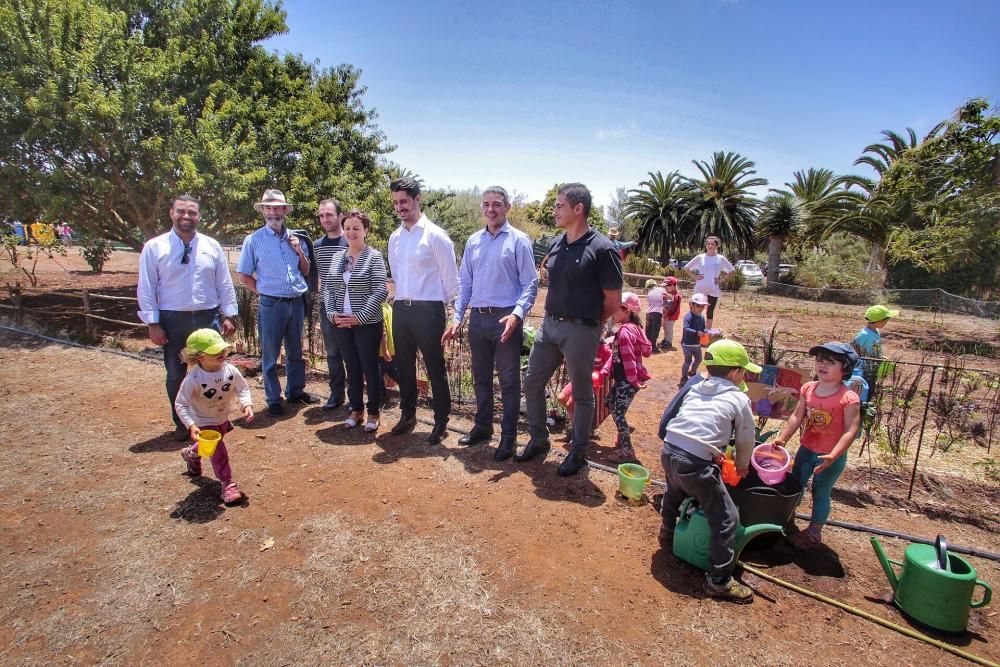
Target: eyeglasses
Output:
[{"x": 187, "y": 254}]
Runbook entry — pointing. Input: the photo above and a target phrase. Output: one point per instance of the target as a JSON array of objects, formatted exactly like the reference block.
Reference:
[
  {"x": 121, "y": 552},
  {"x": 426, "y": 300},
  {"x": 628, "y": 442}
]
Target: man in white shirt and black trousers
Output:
[
  {"x": 184, "y": 282},
  {"x": 422, "y": 260}
]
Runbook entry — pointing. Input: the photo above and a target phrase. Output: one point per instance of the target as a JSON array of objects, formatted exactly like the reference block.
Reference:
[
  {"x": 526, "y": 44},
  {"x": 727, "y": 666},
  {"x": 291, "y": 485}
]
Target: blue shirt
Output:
[
  {"x": 868, "y": 343},
  {"x": 497, "y": 271},
  {"x": 270, "y": 258},
  {"x": 693, "y": 325}
]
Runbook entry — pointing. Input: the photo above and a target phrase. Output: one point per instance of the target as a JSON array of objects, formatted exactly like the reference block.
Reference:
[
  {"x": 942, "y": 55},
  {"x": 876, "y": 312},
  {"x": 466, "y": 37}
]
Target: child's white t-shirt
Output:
[
  {"x": 654, "y": 298},
  {"x": 207, "y": 399}
]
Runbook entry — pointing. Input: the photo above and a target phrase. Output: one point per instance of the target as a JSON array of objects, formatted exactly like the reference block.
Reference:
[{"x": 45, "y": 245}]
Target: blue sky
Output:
[{"x": 528, "y": 94}]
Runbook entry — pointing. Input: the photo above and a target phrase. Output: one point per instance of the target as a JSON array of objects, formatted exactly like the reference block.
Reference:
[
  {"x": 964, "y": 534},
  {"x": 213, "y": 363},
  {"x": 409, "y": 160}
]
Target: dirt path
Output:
[{"x": 361, "y": 550}]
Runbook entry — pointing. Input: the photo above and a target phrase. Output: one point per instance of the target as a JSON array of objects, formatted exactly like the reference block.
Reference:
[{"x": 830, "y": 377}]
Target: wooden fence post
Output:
[
  {"x": 920, "y": 438},
  {"x": 88, "y": 323}
]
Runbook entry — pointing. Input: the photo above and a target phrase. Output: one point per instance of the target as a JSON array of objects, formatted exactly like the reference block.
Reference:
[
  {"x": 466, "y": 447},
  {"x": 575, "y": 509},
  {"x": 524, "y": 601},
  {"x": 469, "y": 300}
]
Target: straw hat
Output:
[{"x": 273, "y": 198}]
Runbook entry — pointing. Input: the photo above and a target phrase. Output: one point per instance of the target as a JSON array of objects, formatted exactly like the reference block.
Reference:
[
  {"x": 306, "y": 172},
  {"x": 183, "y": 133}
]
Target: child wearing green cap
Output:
[
  {"x": 696, "y": 428},
  {"x": 212, "y": 389},
  {"x": 868, "y": 341},
  {"x": 654, "y": 311}
]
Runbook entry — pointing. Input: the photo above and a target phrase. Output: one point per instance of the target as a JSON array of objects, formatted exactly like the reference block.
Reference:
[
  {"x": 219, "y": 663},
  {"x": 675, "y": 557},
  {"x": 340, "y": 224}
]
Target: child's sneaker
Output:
[
  {"x": 231, "y": 494},
  {"x": 623, "y": 455},
  {"x": 731, "y": 590},
  {"x": 193, "y": 461}
]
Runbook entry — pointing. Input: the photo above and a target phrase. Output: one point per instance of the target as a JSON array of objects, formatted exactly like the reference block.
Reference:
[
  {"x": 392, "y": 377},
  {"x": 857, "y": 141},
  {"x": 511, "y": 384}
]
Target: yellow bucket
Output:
[{"x": 208, "y": 440}]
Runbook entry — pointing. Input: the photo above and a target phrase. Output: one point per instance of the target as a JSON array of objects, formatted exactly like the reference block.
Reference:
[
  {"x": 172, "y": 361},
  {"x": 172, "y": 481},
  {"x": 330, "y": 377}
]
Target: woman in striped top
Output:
[{"x": 354, "y": 291}]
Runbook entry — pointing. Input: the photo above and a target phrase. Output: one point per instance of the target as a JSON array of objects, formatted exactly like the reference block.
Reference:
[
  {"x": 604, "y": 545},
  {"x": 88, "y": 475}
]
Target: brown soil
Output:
[{"x": 356, "y": 549}]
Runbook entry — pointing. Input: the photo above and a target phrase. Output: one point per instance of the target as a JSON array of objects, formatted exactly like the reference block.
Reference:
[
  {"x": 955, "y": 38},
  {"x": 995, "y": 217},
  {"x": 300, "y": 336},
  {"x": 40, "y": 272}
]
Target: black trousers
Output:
[{"x": 419, "y": 326}]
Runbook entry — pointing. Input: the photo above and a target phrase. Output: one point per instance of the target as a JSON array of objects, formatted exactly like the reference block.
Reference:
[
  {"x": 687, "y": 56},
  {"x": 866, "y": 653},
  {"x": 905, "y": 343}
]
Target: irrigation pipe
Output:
[
  {"x": 979, "y": 553},
  {"x": 909, "y": 632}
]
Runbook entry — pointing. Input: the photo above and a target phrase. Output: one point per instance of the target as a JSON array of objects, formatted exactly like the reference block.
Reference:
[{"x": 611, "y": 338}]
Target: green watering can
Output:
[
  {"x": 692, "y": 535},
  {"x": 934, "y": 587}
]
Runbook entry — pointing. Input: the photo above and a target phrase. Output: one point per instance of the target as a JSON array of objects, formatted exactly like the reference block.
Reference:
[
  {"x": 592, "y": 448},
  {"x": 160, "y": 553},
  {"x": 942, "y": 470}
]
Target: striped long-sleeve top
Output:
[{"x": 366, "y": 286}]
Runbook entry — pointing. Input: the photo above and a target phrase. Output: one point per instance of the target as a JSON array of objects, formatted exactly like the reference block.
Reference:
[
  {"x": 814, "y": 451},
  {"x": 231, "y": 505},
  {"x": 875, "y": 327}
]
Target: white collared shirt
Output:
[
  {"x": 422, "y": 260},
  {"x": 167, "y": 284}
]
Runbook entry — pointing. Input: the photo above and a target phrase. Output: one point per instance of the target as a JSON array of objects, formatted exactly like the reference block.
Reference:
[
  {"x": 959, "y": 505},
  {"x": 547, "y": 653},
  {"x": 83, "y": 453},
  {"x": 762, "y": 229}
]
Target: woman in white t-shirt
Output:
[{"x": 708, "y": 269}]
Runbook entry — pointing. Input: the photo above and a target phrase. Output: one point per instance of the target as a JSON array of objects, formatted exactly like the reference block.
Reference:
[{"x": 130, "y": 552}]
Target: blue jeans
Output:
[
  {"x": 692, "y": 359},
  {"x": 487, "y": 352},
  {"x": 806, "y": 461},
  {"x": 178, "y": 325},
  {"x": 281, "y": 322},
  {"x": 334, "y": 359}
]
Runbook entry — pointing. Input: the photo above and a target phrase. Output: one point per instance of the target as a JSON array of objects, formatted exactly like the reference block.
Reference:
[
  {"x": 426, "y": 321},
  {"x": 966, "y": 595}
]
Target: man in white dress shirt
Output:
[
  {"x": 184, "y": 282},
  {"x": 422, "y": 260}
]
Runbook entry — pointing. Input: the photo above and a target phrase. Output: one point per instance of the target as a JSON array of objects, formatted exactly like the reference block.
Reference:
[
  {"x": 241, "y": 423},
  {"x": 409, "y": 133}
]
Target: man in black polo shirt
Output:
[{"x": 585, "y": 286}]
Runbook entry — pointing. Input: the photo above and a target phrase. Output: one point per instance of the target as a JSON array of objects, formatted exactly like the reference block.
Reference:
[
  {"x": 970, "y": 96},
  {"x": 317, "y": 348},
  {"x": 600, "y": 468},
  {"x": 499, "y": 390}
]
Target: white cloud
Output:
[{"x": 616, "y": 133}]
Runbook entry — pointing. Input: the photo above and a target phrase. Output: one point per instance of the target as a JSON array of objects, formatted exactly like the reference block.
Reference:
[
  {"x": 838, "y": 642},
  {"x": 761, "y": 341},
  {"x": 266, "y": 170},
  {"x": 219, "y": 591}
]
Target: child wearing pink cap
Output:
[{"x": 629, "y": 347}]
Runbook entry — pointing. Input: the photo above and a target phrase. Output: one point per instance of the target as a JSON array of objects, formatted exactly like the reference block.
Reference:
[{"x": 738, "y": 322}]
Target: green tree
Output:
[
  {"x": 721, "y": 203},
  {"x": 781, "y": 218},
  {"x": 108, "y": 109},
  {"x": 542, "y": 213},
  {"x": 657, "y": 209}
]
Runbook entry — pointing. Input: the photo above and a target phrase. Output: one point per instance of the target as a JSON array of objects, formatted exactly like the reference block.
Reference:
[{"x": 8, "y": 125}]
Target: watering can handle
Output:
[
  {"x": 987, "y": 594},
  {"x": 941, "y": 546}
]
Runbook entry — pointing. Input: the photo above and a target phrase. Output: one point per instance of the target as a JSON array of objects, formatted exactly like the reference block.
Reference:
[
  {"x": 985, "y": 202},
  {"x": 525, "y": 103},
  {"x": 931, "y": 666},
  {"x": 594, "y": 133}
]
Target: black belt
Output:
[
  {"x": 577, "y": 320},
  {"x": 491, "y": 310},
  {"x": 193, "y": 312},
  {"x": 416, "y": 302},
  {"x": 283, "y": 298}
]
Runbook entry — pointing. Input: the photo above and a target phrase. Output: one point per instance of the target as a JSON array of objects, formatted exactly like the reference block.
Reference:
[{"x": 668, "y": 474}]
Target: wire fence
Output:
[
  {"x": 936, "y": 300},
  {"x": 918, "y": 405}
]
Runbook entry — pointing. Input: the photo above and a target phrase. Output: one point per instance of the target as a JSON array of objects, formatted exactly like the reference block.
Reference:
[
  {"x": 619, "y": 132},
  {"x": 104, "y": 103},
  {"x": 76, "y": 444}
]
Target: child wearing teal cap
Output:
[
  {"x": 868, "y": 341},
  {"x": 212, "y": 390}
]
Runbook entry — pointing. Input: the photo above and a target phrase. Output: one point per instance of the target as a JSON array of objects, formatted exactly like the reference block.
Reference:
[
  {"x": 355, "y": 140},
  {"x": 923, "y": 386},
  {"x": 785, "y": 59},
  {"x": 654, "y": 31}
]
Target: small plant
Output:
[
  {"x": 990, "y": 468},
  {"x": 28, "y": 264},
  {"x": 96, "y": 252},
  {"x": 732, "y": 282}
]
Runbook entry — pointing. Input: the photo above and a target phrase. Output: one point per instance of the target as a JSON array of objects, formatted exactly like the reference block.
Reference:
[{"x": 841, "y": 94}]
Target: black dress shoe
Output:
[
  {"x": 181, "y": 434},
  {"x": 304, "y": 398},
  {"x": 532, "y": 449},
  {"x": 275, "y": 409},
  {"x": 476, "y": 436},
  {"x": 438, "y": 433},
  {"x": 505, "y": 449},
  {"x": 404, "y": 425},
  {"x": 333, "y": 403},
  {"x": 572, "y": 464}
]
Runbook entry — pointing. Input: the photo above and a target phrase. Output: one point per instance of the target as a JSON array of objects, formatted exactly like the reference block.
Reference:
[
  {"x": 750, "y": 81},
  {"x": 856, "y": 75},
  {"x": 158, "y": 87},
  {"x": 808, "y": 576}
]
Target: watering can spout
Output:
[{"x": 886, "y": 564}]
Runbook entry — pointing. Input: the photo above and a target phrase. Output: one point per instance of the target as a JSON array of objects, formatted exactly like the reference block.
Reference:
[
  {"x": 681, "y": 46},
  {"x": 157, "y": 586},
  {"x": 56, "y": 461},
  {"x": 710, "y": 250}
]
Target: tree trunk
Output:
[{"x": 774, "y": 245}]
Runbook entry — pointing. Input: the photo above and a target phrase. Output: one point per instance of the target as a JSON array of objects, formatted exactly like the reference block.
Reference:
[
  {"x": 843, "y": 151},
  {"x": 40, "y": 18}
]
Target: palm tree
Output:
[
  {"x": 782, "y": 218},
  {"x": 721, "y": 203},
  {"x": 657, "y": 208},
  {"x": 823, "y": 198}
]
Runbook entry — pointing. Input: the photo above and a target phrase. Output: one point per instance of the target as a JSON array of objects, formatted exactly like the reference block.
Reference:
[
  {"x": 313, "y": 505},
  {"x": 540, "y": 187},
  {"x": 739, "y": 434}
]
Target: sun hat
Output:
[
  {"x": 727, "y": 352},
  {"x": 699, "y": 299},
  {"x": 273, "y": 198},
  {"x": 613, "y": 231},
  {"x": 650, "y": 283},
  {"x": 670, "y": 280},
  {"x": 841, "y": 349},
  {"x": 206, "y": 341},
  {"x": 631, "y": 301},
  {"x": 879, "y": 313}
]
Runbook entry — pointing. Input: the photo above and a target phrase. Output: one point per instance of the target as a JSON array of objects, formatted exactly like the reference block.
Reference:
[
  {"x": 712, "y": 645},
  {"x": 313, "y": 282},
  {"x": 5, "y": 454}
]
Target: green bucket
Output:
[{"x": 632, "y": 480}]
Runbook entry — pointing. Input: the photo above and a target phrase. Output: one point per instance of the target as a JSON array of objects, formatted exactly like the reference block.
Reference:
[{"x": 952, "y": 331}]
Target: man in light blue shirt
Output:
[
  {"x": 498, "y": 281},
  {"x": 275, "y": 266}
]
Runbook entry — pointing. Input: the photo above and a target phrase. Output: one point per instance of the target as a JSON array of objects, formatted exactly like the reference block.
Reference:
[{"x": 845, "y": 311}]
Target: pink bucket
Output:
[{"x": 771, "y": 463}]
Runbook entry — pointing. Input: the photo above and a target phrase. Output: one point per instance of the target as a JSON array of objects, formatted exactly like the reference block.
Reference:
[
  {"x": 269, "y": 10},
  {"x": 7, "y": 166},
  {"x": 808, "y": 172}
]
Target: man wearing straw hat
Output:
[
  {"x": 274, "y": 265},
  {"x": 184, "y": 282}
]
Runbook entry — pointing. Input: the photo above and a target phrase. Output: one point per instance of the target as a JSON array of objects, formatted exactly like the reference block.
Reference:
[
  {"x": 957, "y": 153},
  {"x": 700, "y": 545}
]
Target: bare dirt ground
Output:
[{"x": 356, "y": 549}]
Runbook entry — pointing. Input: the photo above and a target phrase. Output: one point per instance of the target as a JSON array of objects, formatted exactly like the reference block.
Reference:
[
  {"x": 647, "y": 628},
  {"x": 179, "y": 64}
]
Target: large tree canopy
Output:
[{"x": 109, "y": 108}]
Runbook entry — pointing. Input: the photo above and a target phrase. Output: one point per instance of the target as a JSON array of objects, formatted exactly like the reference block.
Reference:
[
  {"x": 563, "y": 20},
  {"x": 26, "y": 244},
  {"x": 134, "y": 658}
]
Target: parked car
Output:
[
  {"x": 785, "y": 269},
  {"x": 750, "y": 271}
]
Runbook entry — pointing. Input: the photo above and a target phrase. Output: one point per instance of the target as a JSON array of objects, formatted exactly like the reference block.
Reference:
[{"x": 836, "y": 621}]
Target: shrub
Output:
[
  {"x": 644, "y": 265},
  {"x": 96, "y": 251},
  {"x": 732, "y": 282}
]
